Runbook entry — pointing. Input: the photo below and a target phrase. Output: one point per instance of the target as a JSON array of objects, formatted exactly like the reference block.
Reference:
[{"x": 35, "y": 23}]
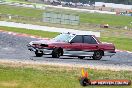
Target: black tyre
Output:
[
  {"x": 56, "y": 53},
  {"x": 81, "y": 57},
  {"x": 84, "y": 81},
  {"x": 38, "y": 54},
  {"x": 97, "y": 55}
]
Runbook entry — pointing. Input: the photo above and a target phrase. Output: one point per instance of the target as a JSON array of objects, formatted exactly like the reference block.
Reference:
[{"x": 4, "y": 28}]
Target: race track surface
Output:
[{"x": 14, "y": 47}]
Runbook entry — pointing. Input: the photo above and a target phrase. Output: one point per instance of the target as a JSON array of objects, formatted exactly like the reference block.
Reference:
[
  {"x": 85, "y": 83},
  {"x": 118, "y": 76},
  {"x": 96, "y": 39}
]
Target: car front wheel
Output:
[
  {"x": 56, "y": 53},
  {"x": 38, "y": 54},
  {"x": 97, "y": 55}
]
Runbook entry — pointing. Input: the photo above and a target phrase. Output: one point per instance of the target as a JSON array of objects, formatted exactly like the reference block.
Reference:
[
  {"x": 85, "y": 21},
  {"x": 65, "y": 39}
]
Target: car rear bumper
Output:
[{"x": 109, "y": 53}]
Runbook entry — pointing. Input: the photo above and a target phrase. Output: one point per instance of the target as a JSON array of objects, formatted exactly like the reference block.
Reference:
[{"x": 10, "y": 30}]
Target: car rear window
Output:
[{"x": 89, "y": 39}]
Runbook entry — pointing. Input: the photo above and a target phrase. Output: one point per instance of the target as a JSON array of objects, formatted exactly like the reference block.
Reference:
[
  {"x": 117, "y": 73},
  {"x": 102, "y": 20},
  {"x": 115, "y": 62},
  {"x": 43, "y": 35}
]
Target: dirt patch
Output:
[
  {"x": 58, "y": 66},
  {"x": 10, "y": 84},
  {"x": 37, "y": 65}
]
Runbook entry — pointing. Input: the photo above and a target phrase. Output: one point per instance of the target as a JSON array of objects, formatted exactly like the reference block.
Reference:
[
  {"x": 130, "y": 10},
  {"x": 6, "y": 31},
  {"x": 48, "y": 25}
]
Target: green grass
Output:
[
  {"x": 93, "y": 18},
  {"x": 120, "y": 43},
  {"x": 31, "y": 32},
  {"x": 32, "y": 78},
  {"x": 54, "y": 77},
  {"x": 113, "y": 20},
  {"x": 28, "y": 12}
]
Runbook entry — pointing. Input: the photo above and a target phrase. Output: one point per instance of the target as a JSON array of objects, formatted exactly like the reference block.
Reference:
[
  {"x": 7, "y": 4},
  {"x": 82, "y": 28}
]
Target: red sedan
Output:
[{"x": 75, "y": 45}]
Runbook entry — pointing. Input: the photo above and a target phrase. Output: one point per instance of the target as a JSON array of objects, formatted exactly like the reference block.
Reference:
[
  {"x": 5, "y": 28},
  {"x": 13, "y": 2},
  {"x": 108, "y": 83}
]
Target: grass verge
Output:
[
  {"x": 93, "y": 18},
  {"x": 21, "y": 11},
  {"x": 43, "y": 76},
  {"x": 120, "y": 43},
  {"x": 31, "y": 32}
]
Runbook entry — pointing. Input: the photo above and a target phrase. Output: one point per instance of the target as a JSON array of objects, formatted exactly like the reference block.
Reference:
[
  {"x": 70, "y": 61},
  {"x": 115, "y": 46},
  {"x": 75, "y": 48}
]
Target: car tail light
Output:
[{"x": 113, "y": 46}]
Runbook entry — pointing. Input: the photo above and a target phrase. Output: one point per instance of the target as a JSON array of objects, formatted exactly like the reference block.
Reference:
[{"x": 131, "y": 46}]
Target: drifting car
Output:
[{"x": 74, "y": 45}]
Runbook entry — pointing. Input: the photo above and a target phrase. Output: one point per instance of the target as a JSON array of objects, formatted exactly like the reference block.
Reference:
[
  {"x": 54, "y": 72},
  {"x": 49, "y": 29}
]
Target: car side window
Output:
[
  {"x": 77, "y": 39},
  {"x": 89, "y": 39}
]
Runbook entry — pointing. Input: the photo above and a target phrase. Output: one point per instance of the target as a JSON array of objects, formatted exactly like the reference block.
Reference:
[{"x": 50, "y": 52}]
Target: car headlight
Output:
[
  {"x": 31, "y": 43},
  {"x": 44, "y": 45}
]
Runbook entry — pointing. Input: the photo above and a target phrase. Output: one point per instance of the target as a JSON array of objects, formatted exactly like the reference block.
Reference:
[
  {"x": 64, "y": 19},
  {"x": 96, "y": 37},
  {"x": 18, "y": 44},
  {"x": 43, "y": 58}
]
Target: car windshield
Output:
[{"x": 63, "y": 37}]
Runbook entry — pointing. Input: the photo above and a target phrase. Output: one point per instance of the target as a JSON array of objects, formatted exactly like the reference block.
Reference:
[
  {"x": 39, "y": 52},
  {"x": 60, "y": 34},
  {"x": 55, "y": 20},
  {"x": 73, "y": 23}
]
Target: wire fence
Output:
[
  {"x": 61, "y": 18},
  {"x": 47, "y": 18}
]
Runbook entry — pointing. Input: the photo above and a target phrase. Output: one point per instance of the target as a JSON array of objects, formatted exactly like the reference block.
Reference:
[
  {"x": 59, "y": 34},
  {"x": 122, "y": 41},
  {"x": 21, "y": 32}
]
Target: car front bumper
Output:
[{"x": 44, "y": 50}]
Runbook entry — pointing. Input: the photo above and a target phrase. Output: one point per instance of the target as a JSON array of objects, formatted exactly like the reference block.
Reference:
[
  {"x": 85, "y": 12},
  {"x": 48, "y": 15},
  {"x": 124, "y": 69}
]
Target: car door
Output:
[
  {"x": 89, "y": 43},
  {"x": 75, "y": 45}
]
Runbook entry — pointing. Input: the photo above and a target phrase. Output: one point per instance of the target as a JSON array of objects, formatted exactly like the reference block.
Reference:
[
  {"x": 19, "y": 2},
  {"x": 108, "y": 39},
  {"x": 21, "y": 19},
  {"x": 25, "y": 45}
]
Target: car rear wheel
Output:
[
  {"x": 56, "y": 53},
  {"x": 97, "y": 55},
  {"x": 39, "y": 54}
]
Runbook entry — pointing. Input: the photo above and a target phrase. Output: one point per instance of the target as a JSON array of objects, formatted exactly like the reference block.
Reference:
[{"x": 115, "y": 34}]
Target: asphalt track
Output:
[{"x": 14, "y": 47}]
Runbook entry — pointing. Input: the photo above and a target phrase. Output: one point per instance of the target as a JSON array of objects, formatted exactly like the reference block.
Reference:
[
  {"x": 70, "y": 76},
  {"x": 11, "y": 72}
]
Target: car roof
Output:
[{"x": 78, "y": 33}]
